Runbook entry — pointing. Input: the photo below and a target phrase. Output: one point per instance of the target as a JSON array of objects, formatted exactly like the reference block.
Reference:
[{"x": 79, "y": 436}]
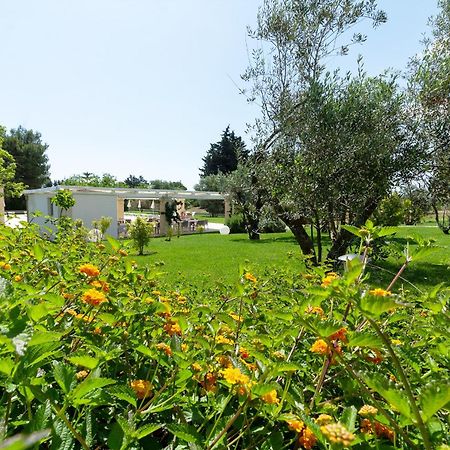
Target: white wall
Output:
[{"x": 88, "y": 207}]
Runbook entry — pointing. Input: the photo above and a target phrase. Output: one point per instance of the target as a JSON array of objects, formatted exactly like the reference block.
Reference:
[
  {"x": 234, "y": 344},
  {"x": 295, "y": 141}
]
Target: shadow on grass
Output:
[
  {"x": 422, "y": 274},
  {"x": 266, "y": 240}
]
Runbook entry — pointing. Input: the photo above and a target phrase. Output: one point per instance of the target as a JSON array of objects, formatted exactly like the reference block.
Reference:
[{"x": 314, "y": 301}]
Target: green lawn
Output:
[{"x": 207, "y": 259}]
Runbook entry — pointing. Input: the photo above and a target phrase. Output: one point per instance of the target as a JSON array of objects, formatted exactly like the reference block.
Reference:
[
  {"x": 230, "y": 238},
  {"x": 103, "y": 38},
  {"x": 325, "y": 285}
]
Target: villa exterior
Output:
[{"x": 91, "y": 203}]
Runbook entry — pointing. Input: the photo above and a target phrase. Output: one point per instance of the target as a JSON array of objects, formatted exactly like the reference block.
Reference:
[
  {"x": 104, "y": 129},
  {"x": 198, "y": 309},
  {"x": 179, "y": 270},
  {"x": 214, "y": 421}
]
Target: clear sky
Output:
[{"x": 143, "y": 87}]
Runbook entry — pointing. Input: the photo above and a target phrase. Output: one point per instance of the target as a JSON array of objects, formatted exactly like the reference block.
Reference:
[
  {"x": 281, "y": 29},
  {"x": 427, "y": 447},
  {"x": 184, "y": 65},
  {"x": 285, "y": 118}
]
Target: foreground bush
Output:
[{"x": 95, "y": 354}]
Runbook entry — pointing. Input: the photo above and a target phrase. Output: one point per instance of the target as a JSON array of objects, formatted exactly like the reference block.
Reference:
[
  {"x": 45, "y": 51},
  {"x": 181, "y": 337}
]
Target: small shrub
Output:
[
  {"x": 140, "y": 233},
  {"x": 236, "y": 224}
]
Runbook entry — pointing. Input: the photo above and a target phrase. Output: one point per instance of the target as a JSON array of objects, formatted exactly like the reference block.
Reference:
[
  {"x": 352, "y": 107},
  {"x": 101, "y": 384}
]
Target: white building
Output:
[{"x": 91, "y": 203}]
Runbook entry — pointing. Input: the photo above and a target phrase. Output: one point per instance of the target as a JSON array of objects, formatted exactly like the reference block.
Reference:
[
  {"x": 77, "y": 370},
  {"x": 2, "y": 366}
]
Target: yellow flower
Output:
[
  {"x": 329, "y": 279},
  {"x": 271, "y": 397},
  {"x": 142, "y": 388},
  {"x": 314, "y": 310},
  {"x": 248, "y": 276},
  {"x": 295, "y": 425},
  {"x": 336, "y": 433},
  {"x": 368, "y": 410},
  {"x": 223, "y": 340},
  {"x": 321, "y": 347},
  {"x": 123, "y": 252},
  {"x": 323, "y": 419},
  {"x": 17, "y": 278},
  {"x": 156, "y": 292},
  {"x": 380, "y": 292},
  {"x": 196, "y": 367},
  {"x": 89, "y": 269},
  {"x": 307, "y": 439},
  {"x": 397, "y": 342},
  {"x": 181, "y": 299},
  {"x": 235, "y": 376},
  {"x": 6, "y": 266},
  {"x": 236, "y": 317},
  {"x": 93, "y": 297},
  {"x": 184, "y": 347}
]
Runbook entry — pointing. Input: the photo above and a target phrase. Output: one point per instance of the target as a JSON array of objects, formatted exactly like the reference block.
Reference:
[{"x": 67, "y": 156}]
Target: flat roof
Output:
[{"x": 129, "y": 193}]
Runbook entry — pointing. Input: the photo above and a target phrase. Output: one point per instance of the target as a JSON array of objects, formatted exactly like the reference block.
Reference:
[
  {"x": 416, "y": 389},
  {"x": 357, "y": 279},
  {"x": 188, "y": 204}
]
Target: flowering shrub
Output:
[{"x": 94, "y": 353}]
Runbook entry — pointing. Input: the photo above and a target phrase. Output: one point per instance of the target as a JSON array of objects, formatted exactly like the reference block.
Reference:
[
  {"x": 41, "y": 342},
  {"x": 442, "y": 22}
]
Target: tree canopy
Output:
[
  {"x": 328, "y": 147},
  {"x": 429, "y": 89},
  {"x": 223, "y": 156},
  {"x": 32, "y": 167}
]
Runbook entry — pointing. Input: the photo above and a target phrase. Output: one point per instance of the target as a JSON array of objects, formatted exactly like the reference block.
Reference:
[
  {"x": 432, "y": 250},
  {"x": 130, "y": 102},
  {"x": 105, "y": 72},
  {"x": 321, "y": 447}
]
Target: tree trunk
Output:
[
  {"x": 344, "y": 237},
  {"x": 299, "y": 232}
]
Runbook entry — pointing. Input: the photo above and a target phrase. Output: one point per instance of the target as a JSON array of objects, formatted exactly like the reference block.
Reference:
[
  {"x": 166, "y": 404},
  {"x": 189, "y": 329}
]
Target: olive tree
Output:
[
  {"x": 429, "y": 89},
  {"x": 329, "y": 148}
]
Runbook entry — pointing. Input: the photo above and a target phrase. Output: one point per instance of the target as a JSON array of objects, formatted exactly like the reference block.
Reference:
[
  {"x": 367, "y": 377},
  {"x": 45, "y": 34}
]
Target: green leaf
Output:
[
  {"x": 6, "y": 366},
  {"x": 186, "y": 433},
  {"x": 283, "y": 367},
  {"x": 114, "y": 243},
  {"x": 123, "y": 392},
  {"x": 24, "y": 441},
  {"x": 115, "y": 437},
  {"x": 42, "y": 337},
  {"x": 326, "y": 328},
  {"x": 349, "y": 418},
  {"x": 433, "y": 397},
  {"x": 64, "y": 376},
  {"x": 274, "y": 441},
  {"x": 351, "y": 229},
  {"x": 62, "y": 438},
  {"x": 88, "y": 385},
  {"x": 148, "y": 429},
  {"x": 37, "y": 312},
  {"x": 387, "y": 231},
  {"x": 375, "y": 306},
  {"x": 358, "y": 339},
  {"x": 38, "y": 252},
  {"x": 390, "y": 392},
  {"x": 85, "y": 361}
]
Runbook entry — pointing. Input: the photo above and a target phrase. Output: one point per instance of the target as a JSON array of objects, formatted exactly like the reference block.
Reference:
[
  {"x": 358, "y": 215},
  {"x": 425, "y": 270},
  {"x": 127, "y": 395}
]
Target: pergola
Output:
[{"x": 94, "y": 202}]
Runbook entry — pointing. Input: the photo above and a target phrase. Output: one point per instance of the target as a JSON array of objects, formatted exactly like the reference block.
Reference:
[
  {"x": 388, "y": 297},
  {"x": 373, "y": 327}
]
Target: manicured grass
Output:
[
  {"x": 208, "y": 259},
  {"x": 420, "y": 274}
]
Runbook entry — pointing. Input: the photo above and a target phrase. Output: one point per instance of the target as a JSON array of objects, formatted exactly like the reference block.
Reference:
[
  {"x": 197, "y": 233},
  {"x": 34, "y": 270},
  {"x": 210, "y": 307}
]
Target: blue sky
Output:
[{"x": 144, "y": 86}]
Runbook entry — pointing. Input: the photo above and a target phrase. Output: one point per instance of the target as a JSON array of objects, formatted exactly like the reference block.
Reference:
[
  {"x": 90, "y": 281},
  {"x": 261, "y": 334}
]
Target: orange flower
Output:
[
  {"x": 165, "y": 348},
  {"x": 321, "y": 347},
  {"x": 271, "y": 397},
  {"x": 295, "y": 425},
  {"x": 142, "y": 388},
  {"x": 93, "y": 297},
  {"x": 210, "y": 382},
  {"x": 380, "y": 292},
  {"x": 17, "y": 278},
  {"x": 307, "y": 439},
  {"x": 381, "y": 431},
  {"x": 377, "y": 358},
  {"x": 340, "y": 335},
  {"x": 100, "y": 285},
  {"x": 172, "y": 327},
  {"x": 89, "y": 269},
  {"x": 329, "y": 279}
]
